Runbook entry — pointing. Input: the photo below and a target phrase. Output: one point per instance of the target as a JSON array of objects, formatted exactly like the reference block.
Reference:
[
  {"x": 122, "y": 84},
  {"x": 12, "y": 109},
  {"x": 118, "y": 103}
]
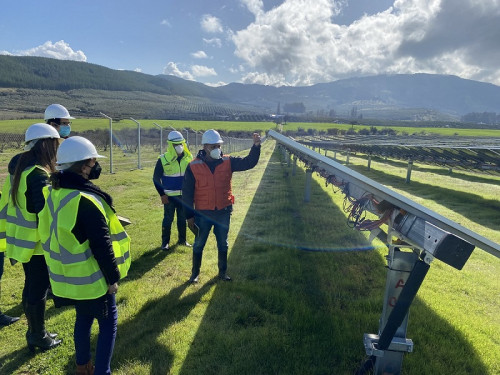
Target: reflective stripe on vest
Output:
[
  {"x": 212, "y": 190},
  {"x": 173, "y": 172},
  {"x": 18, "y": 227},
  {"x": 73, "y": 271},
  {"x": 3, "y": 217}
]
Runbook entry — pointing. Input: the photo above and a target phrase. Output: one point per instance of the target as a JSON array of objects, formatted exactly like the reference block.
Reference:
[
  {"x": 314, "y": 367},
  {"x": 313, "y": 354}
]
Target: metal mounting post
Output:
[
  {"x": 408, "y": 172},
  {"x": 307, "y": 192},
  {"x": 386, "y": 349}
]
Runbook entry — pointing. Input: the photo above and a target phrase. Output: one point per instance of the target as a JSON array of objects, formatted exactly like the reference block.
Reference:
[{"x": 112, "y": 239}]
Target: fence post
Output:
[
  {"x": 161, "y": 137},
  {"x": 138, "y": 143},
  {"x": 110, "y": 142}
]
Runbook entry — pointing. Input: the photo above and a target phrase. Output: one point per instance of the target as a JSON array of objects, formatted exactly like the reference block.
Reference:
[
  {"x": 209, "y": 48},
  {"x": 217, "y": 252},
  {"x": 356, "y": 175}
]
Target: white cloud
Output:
[
  {"x": 196, "y": 71},
  {"x": 172, "y": 69},
  {"x": 138, "y": 70},
  {"x": 199, "y": 55},
  {"x": 59, "y": 50},
  {"x": 256, "y": 7},
  {"x": 433, "y": 36},
  {"x": 214, "y": 42},
  {"x": 211, "y": 24},
  {"x": 165, "y": 22},
  {"x": 216, "y": 84},
  {"x": 202, "y": 71}
]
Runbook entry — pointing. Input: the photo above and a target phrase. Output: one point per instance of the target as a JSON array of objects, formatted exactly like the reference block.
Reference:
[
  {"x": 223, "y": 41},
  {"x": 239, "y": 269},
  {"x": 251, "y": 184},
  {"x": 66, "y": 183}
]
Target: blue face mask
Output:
[{"x": 64, "y": 130}]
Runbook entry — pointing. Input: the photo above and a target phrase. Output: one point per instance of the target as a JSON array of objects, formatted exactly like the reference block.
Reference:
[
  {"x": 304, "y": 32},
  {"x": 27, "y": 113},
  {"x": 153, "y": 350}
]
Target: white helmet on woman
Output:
[
  {"x": 38, "y": 131},
  {"x": 75, "y": 149}
]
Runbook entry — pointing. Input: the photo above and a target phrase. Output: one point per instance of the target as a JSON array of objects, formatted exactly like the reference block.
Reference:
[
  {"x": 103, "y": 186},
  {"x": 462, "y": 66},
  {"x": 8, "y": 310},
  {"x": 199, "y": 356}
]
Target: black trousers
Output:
[
  {"x": 36, "y": 280},
  {"x": 174, "y": 205}
]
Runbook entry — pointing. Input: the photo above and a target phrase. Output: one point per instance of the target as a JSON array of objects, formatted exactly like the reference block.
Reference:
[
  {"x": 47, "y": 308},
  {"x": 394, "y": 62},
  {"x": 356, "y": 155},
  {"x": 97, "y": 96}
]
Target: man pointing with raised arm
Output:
[{"x": 208, "y": 198}]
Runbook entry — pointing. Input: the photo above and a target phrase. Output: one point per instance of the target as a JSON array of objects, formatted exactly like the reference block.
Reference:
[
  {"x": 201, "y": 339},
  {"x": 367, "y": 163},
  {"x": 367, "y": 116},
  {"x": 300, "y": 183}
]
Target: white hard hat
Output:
[
  {"x": 56, "y": 111},
  {"x": 75, "y": 149},
  {"x": 39, "y": 131},
  {"x": 175, "y": 136},
  {"x": 211, "y": 137}
]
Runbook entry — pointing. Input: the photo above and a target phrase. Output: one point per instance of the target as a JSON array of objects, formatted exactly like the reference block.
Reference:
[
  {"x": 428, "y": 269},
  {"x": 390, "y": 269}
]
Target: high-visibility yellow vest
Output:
[
  {"x": 73, "y": 270},
  {"x": 2, "y": 231},
  {"x": 173, "y": 170},
  {"x": 18, "y": 228}
]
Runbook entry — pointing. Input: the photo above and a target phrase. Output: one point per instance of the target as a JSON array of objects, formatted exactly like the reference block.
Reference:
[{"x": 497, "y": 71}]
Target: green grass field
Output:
[
  {"x": 288, "y": 311},
  {"x": 20, "y": 126}
]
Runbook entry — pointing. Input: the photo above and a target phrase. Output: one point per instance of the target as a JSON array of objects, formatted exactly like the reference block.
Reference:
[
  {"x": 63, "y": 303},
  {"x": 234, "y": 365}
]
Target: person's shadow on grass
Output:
[{"x": 137, "y": 338}]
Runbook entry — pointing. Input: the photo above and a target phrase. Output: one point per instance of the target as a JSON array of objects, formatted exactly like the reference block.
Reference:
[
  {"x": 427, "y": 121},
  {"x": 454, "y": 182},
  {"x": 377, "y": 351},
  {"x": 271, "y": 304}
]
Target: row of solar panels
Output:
[{"x": 458, "y": 152}]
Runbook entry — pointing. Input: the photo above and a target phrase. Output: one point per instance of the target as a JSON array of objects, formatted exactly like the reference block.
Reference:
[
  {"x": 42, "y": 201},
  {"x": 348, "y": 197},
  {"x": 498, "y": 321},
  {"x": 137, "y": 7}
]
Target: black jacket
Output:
[
  {"x": 35, "y": 182},
  {"x": 237, "y": 165}
]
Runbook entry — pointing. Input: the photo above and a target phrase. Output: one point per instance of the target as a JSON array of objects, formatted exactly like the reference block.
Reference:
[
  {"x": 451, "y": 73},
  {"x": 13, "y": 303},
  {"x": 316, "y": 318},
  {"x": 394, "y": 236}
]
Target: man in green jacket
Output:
[{"x": 168, "y": 177}]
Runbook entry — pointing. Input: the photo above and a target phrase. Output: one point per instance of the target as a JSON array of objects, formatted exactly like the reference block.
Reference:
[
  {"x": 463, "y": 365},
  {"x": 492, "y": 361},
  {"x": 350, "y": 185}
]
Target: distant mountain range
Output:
[{"x": 28, "y": 84}]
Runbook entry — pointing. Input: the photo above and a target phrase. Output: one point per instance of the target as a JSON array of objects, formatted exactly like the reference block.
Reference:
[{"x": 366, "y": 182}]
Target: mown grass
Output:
[
  {"x": 83, "y": 124},
  {"x": 288, "y": 311}
]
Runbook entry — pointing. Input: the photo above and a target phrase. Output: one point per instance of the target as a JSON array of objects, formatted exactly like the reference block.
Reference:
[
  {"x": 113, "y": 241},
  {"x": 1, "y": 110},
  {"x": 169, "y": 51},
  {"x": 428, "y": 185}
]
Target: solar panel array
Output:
[{"x": 472, "y": 153}]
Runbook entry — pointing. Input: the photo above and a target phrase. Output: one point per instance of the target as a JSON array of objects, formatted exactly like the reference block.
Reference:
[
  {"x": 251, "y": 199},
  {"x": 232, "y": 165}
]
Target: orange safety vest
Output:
[{"x": 212, "y": 191}]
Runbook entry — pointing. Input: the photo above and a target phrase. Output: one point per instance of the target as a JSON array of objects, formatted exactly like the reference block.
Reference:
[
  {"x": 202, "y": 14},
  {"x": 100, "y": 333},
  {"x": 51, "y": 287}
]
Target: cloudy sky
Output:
[{"x": 274, "y": 42}]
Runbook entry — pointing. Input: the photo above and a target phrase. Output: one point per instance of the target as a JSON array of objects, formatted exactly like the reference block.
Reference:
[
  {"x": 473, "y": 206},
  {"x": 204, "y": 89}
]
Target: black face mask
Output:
[{"x": 95, "y": 171}]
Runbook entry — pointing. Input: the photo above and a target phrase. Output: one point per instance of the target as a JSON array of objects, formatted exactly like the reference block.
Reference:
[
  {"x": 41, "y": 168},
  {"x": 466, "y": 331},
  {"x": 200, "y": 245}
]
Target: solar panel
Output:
[{"x": 470, "y": 153}]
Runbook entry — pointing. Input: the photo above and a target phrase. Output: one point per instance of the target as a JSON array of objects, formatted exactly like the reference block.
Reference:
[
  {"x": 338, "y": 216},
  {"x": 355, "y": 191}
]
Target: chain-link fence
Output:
[{"x": 130, "y": 150}]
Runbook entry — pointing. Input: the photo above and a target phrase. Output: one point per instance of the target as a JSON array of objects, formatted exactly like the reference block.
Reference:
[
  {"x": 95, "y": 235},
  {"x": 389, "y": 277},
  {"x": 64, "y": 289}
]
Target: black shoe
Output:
[
  {"x": 41, "y": 340},
  {"x": 184, "y": 243},
  {"x": 194, "y": 279},
  {"x": 6, "y": 320},
  {"x": 224, "y": 277},
  {"x": 165, "y": 247}
]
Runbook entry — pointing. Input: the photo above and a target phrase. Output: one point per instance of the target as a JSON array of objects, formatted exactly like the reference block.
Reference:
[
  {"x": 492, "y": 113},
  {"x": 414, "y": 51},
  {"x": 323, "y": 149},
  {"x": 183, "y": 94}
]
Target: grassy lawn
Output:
[
  {"x": 288, "y": 311},
  {"x": 20, "y": 126}
]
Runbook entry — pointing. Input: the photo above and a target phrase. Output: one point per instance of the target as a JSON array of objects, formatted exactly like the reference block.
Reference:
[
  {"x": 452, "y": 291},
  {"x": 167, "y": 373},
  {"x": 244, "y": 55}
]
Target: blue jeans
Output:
[
  {"x": 205, "y": 220},
  {"x": 105, "y": 339},
  {"x": 174, "y": 204}
]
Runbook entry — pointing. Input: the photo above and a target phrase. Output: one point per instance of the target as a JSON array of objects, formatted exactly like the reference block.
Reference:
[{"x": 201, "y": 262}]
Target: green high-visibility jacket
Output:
[
  {"x": 173, "y": 170},
  {"x": 18, "y": 228},
  {"x": 73, "y": 270}
]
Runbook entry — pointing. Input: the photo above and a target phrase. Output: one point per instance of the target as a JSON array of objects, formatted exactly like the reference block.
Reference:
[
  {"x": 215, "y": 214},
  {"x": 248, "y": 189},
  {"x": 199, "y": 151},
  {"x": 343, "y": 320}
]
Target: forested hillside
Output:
[
  {"x": 29, "y": 84},
  {"x": 50, "y": 74}
]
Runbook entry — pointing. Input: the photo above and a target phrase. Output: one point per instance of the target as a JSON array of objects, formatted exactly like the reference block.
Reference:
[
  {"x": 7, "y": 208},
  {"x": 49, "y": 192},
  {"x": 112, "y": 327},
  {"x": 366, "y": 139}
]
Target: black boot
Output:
[
  {"x": 195, "y": 272},
  {"x": 223, "y": 266},
  {"x": 24, "y": 303},
  {"x": 38, "y": 336}
]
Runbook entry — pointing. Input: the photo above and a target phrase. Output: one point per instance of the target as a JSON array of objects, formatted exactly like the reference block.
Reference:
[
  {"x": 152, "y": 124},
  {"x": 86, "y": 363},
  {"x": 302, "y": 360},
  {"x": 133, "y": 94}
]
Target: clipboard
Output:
[{"x": 124, "y": 220}]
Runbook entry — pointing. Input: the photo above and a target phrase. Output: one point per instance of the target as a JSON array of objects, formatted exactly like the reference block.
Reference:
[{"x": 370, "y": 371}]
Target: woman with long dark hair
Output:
[{"x": 19, "y": 206}]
